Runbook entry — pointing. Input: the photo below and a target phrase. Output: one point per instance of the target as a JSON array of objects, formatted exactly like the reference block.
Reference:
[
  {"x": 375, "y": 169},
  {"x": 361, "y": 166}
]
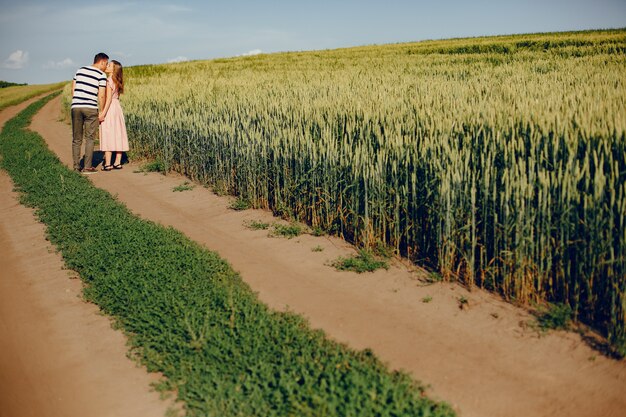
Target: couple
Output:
[{"x": 96, "y": 99}]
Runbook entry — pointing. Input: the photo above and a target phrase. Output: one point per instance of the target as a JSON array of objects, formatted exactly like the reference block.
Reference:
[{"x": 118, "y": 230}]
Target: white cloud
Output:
[
  {"x": 16, "y": 60},
  {"x": 253, "y": 52},
  {"x": 177, "y": 59},
  {"x": 66, "y": 63}
]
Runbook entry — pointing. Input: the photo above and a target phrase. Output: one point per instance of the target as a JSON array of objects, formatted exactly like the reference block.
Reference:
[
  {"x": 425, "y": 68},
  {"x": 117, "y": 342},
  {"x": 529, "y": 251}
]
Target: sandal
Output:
[
  {"x": 117, "y": 166},
  {"x": 107, "y": 167}
]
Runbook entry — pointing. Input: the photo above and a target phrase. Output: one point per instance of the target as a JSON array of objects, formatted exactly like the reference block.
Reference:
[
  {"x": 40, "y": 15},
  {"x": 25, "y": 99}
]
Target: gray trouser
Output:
[{"x": 84, "y": 123}]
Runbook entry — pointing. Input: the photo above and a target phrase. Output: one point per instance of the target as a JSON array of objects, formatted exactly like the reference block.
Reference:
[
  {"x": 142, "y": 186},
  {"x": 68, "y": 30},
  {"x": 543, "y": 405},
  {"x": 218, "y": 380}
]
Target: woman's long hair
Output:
[{"x": 117, "y": 75}]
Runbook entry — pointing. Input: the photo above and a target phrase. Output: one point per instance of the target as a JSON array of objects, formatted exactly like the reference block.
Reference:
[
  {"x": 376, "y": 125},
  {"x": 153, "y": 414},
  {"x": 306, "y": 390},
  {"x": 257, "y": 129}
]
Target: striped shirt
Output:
[{"x": 88, "y": 81}]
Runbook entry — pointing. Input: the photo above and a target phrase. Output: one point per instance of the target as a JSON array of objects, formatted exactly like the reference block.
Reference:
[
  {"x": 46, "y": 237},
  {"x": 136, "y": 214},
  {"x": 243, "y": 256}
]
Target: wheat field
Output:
[{"x": 498, "y": 162}]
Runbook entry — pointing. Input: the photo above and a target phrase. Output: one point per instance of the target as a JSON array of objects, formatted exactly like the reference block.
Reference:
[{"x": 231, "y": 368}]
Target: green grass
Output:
[
  {"x": 289, "y": 231},
  {"x": 240, "y": 204},
  {"x": 153, "y": 166},
  {"x": 189, "y": 316},
  {"x": 432, "y": 278},
  {"x": 555, "y": 316},
  {"x": 257, "y": 225},
  {"x": 317, "y": 231},
  {"x": 364, "y": 261},
  {"x": 186, "y": 186},
  {"x": 382, "y": 250}
]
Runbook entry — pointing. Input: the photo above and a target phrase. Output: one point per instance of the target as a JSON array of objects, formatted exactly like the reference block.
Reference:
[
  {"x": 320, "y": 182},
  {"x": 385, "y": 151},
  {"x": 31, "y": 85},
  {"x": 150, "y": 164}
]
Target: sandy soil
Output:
[
  {"x": 58, "y": 356},
  {"x": 481, "y": 359}
]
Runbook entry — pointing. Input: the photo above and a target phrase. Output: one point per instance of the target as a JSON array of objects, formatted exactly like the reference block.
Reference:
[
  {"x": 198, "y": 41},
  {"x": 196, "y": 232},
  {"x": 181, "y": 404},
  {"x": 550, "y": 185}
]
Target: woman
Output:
[{"x": 113, "y": 136}]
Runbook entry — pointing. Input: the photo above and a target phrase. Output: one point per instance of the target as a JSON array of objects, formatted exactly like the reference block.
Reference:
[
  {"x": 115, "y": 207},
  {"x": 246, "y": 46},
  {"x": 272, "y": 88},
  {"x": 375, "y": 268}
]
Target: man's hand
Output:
[{"x": 101, "y": 117}]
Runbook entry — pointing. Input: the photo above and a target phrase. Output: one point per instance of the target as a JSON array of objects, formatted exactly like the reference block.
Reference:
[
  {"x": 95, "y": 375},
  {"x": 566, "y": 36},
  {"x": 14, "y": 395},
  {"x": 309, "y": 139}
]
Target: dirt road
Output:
[
  {"x": 479, "y": 359},
  {"x": 58, "y": 356}
]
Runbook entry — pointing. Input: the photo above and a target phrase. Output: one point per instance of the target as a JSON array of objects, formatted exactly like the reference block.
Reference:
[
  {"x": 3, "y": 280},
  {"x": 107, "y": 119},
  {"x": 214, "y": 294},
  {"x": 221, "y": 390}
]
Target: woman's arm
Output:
[{"x": 109, "y": 98}]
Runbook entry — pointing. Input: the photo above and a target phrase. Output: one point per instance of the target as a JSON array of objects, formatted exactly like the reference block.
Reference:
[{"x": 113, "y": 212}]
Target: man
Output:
[{"x": 88, "y": 90}]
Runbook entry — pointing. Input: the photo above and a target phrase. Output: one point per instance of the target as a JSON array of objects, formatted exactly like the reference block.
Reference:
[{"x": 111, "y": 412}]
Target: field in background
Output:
[
  {"x": 16, "y": 94},
  {"x": 499, "y": 162}
]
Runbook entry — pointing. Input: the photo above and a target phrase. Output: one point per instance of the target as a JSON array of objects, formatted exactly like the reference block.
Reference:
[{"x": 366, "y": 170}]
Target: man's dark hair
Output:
[{"x": 99, "y": 57}]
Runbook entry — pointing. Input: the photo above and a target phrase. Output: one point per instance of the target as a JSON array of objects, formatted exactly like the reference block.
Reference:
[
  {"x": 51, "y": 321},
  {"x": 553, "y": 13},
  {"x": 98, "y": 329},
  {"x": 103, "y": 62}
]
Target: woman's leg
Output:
[
  {"x": 107, "y": 158},
  {"x": 118, "y": 158}
]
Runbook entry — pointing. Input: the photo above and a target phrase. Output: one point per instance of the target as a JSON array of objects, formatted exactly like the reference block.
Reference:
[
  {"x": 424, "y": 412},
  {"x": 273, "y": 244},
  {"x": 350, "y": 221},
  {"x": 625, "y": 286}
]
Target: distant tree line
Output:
[{"x": 4, "y": 84}]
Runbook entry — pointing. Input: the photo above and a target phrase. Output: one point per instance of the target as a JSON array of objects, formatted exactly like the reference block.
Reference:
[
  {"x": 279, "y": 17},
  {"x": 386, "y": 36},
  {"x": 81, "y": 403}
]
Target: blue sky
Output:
[{"x": 43, "y": 41}]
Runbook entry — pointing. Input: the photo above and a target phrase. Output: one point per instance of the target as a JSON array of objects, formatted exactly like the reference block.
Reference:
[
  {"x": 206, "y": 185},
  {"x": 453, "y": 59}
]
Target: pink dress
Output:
[{"x": 113, "y": 135}]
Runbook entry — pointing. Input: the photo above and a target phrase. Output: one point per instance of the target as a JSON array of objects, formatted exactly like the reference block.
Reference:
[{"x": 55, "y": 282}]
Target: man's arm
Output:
[{"x": 73, "y": 87}]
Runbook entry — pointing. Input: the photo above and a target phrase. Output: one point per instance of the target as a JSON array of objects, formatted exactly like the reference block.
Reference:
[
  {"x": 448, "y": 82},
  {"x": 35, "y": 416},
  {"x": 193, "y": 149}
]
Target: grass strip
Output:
[
  {"x": 189, "y": 315},
  {"x": 10, "y": 96}
]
